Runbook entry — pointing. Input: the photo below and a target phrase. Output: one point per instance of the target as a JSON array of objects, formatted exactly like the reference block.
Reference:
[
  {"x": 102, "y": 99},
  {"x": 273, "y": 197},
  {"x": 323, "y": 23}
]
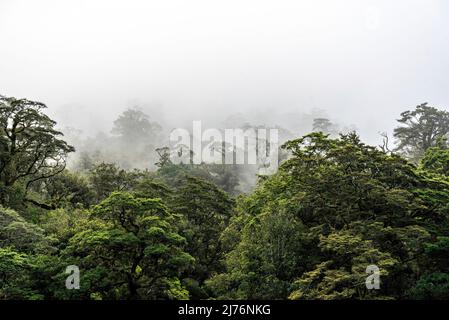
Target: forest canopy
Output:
[{"x": 184, "y": 231}]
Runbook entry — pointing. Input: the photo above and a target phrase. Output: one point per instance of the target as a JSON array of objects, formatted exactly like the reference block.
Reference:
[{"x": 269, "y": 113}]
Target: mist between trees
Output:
[{"x": 139, "y": 226}]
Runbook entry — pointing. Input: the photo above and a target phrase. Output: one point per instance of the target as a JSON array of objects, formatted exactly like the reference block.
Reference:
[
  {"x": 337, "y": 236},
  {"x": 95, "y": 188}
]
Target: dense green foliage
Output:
[
  {"x": 421, "y": 129},
  {"x": 335, "y": 207}
]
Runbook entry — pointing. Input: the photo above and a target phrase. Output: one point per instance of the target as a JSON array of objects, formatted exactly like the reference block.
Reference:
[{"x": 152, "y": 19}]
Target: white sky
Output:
[{"x": 362, "y": 61}]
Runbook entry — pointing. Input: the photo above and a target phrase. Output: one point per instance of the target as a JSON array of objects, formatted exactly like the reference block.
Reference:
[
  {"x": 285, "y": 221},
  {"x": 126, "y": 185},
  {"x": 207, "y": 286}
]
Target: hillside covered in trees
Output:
[{"x": 185, "y": 231}]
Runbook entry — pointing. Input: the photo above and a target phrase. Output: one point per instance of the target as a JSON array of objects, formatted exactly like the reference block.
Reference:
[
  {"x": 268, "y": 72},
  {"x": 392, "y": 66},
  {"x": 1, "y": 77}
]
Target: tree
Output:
[
  {"x": 207, "y": 210},
  {"x": 422, "y": 129},
  {"x": 434, "y": 283},
  {"x": 323, "y": 125},
  {"x": 134, "y": 126},
  {"x": 24, "y": 249},
  {"x": 65, "y": 189},
  {"x": 343, "y": 275},
  {"x": 436, "y": 159},
  {"x": 164, "y": 157},
  {"x": 344, "y": 205},
  {"x": 222, "y": 175},
  {"x": 24, "y": 236},
  {"x": 434, "y": 171},
  {"x": 434, "y": 286},
  {"x": 13, "y": 268},
  {"x": 131, "y": 250},
  {"x": 266, "y": 253},
  {"x": 135, "y": 141},
  {"x": 30, "y": 147},
  {"x": 106, "y": 178}
]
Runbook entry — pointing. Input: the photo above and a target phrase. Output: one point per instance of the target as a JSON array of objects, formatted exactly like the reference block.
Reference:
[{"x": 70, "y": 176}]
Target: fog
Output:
[{"x": 360, "y": 62}]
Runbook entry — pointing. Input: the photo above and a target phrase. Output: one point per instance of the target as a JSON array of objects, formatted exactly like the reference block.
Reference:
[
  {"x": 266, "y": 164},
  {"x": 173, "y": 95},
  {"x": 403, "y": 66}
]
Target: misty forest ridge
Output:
[
  {"x": 224, "y": 150},
  {"x": 185, "y": 231}
]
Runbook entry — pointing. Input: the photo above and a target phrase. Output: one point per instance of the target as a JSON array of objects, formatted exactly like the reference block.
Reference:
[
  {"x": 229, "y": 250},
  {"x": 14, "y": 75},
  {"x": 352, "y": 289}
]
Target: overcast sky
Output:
[{"x": 362, "y": 61}]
